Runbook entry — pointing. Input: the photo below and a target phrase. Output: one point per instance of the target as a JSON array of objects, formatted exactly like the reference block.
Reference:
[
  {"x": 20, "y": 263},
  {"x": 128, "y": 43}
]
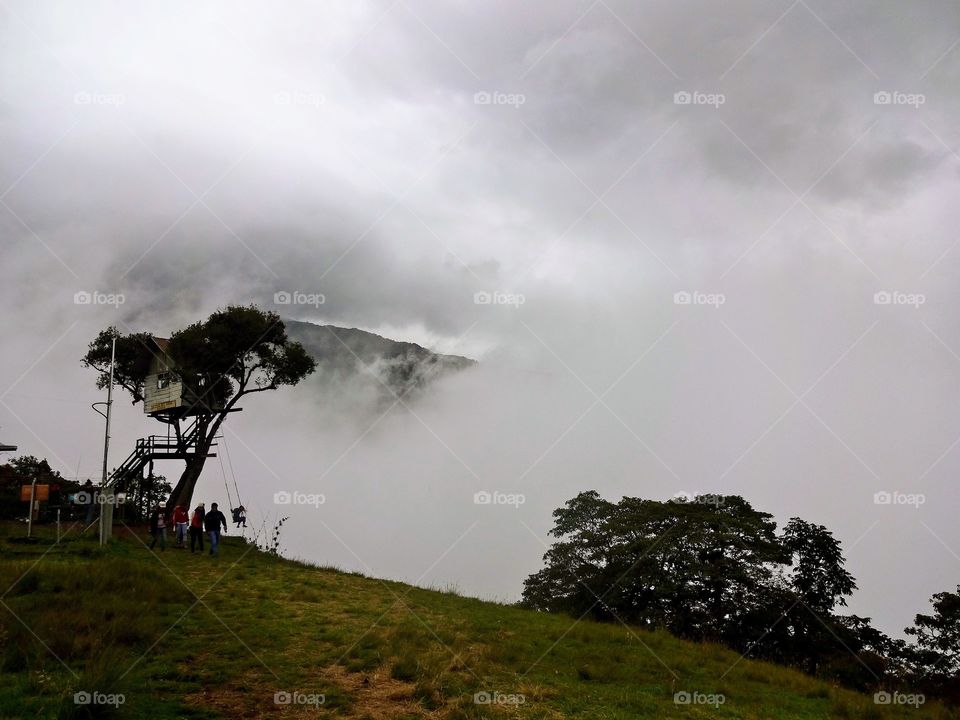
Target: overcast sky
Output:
[{"x": 583, "y": 162}]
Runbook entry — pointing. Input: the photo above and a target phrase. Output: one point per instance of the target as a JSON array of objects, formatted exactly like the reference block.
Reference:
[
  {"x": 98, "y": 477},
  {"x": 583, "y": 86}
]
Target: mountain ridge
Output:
[{"x": 399, "y": 366}]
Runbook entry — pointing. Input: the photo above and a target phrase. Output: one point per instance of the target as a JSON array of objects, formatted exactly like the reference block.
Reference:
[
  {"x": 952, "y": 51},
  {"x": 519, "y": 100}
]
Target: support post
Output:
[
  {"x": 106, "y": 528},
  {"x": 150, "y": 497},
  {"x": 33, "y": 494}
]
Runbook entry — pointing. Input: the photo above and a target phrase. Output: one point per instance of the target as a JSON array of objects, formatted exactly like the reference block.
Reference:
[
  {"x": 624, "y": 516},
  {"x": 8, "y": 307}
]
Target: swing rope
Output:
[
  {"x": 232, "y": 473},
  {"x": 225, "y": 485}
]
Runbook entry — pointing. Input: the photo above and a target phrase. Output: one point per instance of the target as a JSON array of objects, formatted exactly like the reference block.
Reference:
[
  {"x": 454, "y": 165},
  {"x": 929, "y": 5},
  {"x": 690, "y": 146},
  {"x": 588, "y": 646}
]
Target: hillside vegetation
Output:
[{"x": 252, "y": 635}]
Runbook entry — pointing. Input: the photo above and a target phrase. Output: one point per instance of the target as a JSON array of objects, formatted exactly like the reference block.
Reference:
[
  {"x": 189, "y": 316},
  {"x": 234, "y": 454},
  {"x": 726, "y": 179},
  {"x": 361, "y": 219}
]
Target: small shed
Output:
[{"x": 164, "y": 391}]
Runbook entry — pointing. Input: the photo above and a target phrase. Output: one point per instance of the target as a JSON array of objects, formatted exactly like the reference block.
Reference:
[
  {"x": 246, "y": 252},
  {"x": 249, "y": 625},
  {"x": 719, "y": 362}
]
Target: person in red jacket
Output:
[
  {"x": 196, "y": 528},
  {"x": 180, "y": 519}
]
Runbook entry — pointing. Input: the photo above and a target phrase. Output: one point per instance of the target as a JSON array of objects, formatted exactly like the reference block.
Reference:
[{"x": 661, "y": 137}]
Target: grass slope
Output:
[{"x": 184, "y": 636}]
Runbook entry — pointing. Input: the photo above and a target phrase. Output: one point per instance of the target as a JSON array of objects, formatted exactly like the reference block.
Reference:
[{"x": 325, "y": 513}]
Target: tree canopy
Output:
[{"x": 236, "y": 351}]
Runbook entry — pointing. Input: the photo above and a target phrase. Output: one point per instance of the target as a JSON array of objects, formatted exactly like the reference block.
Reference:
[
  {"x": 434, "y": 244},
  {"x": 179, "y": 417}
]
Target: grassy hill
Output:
[{"x": 181, "y": 636}]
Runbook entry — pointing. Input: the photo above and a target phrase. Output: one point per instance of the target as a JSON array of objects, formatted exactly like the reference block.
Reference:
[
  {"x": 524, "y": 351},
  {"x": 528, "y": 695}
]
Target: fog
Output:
[{"x": 399, "y": 158}]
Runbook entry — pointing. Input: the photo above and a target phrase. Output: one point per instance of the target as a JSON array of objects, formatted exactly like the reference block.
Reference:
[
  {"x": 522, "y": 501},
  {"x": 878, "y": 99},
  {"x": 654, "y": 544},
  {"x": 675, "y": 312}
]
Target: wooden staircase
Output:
[{"x": 156, "y": 447}]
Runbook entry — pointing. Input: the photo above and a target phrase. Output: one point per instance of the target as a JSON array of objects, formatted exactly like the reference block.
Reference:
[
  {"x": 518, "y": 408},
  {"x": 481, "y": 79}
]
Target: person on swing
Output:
[{"x": 240, "y": 516}]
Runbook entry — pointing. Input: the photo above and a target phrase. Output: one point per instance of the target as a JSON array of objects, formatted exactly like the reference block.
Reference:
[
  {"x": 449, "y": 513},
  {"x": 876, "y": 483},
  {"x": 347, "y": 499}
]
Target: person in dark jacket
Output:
[
  {"x": 240, "y": 516},
  {"x": 196, "y": 528},
  {"x": 158, "y": 528},
  {"x": 213, "y": 520}
]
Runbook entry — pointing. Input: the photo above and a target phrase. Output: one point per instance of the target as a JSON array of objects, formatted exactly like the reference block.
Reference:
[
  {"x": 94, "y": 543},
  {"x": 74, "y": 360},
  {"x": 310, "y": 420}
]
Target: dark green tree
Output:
[
  {"x": 145, "y": 494},
  {"x": 938, "y": 635},
  {"x": 21, "y": 471},
  {"x": 863, "y": 657},
  {"x": 819, "y": 582},
  {"x": 818, "y": 577}
]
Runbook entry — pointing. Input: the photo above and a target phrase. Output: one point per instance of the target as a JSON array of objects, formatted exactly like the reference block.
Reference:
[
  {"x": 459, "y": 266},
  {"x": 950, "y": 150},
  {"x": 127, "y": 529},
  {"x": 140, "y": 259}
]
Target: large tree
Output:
[
  {"x": 236, "y": 352},
  {"x": 692, "y": 567},
  {"x": 819, "y": 582}
]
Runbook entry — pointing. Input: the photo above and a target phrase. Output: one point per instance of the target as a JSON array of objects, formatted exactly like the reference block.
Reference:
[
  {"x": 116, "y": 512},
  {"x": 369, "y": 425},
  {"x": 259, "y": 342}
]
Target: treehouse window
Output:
[{"x": 163, "y": 380}]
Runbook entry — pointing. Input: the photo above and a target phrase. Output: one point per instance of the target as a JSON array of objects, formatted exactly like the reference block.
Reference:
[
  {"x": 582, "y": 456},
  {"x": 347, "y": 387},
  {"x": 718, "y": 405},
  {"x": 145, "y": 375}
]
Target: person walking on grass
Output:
[
  {"x": 158, "y": 528},
  {"x": 196, "y": 528},
  {"x": 213, "y": 520},
  {"x": 180, "y": 519}
]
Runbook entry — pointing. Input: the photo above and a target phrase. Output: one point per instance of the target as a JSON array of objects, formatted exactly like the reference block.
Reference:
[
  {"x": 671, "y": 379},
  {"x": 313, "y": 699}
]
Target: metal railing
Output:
[{"x": 157, "y": 447}]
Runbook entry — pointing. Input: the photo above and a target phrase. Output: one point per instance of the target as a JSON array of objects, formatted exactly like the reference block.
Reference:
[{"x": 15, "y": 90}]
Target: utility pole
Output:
[
  {"x": 104, "y": 530},
  {"x": 33, "y": 495}
]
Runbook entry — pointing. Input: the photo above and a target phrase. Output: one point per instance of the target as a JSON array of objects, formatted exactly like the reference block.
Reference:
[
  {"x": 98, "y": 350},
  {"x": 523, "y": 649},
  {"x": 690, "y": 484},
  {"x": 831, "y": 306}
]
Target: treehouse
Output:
[{"x": 164, "y": 393}]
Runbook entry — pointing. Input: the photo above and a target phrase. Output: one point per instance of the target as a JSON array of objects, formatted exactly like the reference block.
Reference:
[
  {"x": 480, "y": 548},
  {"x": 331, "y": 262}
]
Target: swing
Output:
[{"x": 239, "y": 512}]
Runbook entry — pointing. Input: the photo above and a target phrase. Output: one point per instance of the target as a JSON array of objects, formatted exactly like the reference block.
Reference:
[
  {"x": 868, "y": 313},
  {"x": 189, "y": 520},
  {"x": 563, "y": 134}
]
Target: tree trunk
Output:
[
  {"x": 207, "y": 428},
  {"x": 183, "y": 492}
]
